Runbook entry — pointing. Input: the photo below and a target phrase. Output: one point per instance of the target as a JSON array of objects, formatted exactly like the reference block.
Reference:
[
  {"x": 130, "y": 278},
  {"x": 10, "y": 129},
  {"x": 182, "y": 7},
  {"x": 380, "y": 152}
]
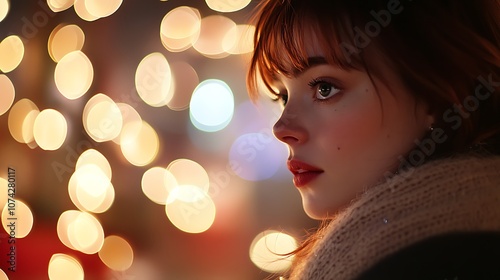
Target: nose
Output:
[{"x": 289, "y": 130}]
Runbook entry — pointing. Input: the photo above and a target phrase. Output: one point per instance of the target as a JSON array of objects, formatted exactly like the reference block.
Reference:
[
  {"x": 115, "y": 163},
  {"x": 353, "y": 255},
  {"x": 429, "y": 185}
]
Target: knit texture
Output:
[{"x": 444, "y": 196}]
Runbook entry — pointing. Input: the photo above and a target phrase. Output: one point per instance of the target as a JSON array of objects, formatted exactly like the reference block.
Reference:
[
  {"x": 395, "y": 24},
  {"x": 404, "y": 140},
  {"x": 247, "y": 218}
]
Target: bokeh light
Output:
[
  {"x": 65, "y": 219},
  {"x": 86, "y": 233},
  {"x": 227, "y": 6},
  {"x": 189, "y": 172},
  {"x": 190, "y": 209},
  {"x": 7, "y": 94},
  {"x": 177, "y": 45},
  {"x": 212, "y": 32},
  {"x": 11, "y": 53},
  {"x": 139, "y": 143},
  {"x": 80, "y": 231},
  {"x": 91, "y": 103},
  {"x": 256, "y": 156},
  {"x": 84, "y": 59},
  {"x": 74, "y": 75},
  {"x": 28, "y": 129},
  {"x": 153, "y": 80},
  {"x": 17, "y": 211},
  {"x": 21, "y": 120},
  {"x": 3, "y": 276},
  {"x": 82, "y": 11},
  {"x": 181, "y": 22},
  {"x": 91, "y": 179},
  {"x": 64, "y": 267},
  {"x": 239, "y": 39},
  {"x": 50, "y": 129},
  {"x": 212, "y": 105},
  {"x": 116, "y": 253},
  {"x": 4, "y": 9},
  {"x": 130, "y": 117},
  {"x": 92, "y": 156},
  {"x": 180, "y": 28},
  {"x": 90, "y": 189},
  {"x": 100, "y": 9},
  {"x": 65, "y": 39},
  {"x": 156, "y": 183},
  {"x": 268, "y": 248},
  {"x": 60, "y": 5},
  {"x": 263, "y": 116},
  {"x": 184, "y": 79},
  {"x": 102, "y": 118}
]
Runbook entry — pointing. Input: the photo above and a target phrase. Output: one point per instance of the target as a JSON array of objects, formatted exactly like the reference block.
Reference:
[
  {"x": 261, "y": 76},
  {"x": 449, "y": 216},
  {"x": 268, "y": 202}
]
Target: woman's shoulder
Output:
[
  {"x": 453, "y": 256},
  {"x": 462, "y": 168}
]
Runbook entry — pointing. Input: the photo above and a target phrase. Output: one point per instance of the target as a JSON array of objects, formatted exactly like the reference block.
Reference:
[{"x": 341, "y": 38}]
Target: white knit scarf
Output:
[{"x": 450, "y": 195}]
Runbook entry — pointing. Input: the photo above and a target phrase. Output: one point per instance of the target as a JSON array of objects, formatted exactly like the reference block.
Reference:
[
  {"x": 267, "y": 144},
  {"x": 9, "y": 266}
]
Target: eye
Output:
[
  {"x": 281, "y": 98},
  {"x": 323, "y": 89}
]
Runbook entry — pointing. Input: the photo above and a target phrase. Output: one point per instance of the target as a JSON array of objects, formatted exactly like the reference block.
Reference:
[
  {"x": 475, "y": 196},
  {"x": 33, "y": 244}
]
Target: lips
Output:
[{"x": 303, "y": 173}]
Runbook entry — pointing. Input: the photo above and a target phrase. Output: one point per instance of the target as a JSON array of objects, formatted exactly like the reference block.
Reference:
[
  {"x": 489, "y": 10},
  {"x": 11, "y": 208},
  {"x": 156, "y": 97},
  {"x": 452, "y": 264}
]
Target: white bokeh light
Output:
[
  {"x": 212, "y": 105},
  {"x": 257, "y": 156},
  {"x": 100, "y": 8},
  {"x": 180, "y": 28},
  {"x": 74, "y": 75},
  {"x": 268, "y": 248},
  {"x": 212, "y": 32},
  {"x": 50, "y": 129},
  {"x": 139, "y": 143},
  {"x": 227, "y": 6},
  {"x": 153, "y": 80},
  {"x": 11, "y": 53},
  {"x": 17, "y": 210},
  {"x": 190, "y": 209},
  {"x": 4, "y": 9},
  {"x": 7, "y": 94},
  {"x": 60, "y": 5},
  {"x": 82, "y": 11},
  {"x": 156, "y": 184},
  {"x": 65, "y": 38},
  {"x": 62, "y": 267}
]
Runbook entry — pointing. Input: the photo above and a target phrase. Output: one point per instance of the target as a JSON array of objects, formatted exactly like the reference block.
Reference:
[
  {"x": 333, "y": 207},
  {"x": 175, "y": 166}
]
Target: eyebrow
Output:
[{"x": 311, "y": 62}]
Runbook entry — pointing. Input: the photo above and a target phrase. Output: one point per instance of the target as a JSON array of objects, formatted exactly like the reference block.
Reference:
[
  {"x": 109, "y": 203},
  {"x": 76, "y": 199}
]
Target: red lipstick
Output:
[{"x": 303, "y": 173}]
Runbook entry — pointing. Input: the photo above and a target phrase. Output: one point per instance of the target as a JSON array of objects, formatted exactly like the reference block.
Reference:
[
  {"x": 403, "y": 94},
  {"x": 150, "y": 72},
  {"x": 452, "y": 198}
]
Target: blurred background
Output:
[{"x": 129, "y": 148}]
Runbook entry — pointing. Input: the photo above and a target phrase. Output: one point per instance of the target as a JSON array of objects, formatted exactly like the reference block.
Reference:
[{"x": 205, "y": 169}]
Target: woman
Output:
[{"x": 391, "y": 114}]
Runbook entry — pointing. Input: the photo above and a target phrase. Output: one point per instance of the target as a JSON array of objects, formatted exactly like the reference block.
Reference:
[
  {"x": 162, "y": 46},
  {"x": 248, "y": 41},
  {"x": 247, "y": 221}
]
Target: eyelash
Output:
[
  {"x": 283, "y": 98},
  {"x": 313, "y": 84},
  {"x": 279, "y": 97}
]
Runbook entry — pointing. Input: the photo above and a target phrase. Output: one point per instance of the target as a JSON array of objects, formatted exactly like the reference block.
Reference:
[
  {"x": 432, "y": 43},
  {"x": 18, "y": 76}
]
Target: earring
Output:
[{"x": 431, "y": 128}]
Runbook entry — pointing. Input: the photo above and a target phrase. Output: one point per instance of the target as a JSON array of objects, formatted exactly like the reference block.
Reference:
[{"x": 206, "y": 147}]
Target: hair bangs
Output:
[{"x": 288, "y": 31}]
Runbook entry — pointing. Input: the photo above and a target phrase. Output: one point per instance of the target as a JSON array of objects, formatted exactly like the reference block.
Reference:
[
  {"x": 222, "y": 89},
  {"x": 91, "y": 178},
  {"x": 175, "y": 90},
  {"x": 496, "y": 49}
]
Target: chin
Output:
[
  {"x": 315, "y": 210},
  {"x": 315, "y": 216}
]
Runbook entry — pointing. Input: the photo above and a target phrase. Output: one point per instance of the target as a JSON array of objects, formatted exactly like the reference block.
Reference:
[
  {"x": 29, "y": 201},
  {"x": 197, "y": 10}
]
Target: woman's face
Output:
[{"x": 342, "y": 137}]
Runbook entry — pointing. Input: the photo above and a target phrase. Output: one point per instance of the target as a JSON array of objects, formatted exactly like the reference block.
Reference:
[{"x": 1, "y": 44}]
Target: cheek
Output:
[{"x": 353, "y": 131}]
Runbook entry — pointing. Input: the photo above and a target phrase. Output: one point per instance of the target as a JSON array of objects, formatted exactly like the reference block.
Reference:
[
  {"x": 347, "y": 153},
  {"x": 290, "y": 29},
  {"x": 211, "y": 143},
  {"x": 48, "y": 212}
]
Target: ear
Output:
[
  {"x": 430, "y": 121},
  {"x": 429, "y": 116}
]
